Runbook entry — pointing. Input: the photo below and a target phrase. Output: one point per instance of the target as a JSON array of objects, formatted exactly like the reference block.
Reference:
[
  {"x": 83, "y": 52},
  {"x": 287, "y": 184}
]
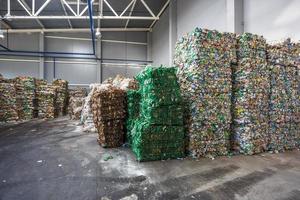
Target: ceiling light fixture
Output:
[
  {"x": 1, "y": 34},
  {"x": 98, "y": 33}
]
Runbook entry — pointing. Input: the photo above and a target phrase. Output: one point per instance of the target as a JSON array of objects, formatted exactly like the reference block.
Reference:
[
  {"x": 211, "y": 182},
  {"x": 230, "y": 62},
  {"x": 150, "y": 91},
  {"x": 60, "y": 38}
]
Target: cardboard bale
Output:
[
  {"x": 76, "y": 101},
  {"x": 62, "y": 95},
  {"x": 108, "y": 107}
]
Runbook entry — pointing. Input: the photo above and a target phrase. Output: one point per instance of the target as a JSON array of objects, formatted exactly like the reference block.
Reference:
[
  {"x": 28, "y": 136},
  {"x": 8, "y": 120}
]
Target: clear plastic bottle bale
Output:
[
  {"x": 76, "y": 101},
  {"x": 8, "y": 101},
  {"x": 26, "y": 97},
  {"x": 204, "y": 59},
  {"x": 284, "y": 94},
  {"x": 251, "y": 95}
]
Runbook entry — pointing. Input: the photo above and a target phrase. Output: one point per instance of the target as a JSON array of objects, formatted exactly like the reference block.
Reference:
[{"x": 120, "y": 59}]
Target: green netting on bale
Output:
[
  {"x": 133, "y": 100},
  {"x": 158, "y": 132},
  {"x": 156, "y": 142}
]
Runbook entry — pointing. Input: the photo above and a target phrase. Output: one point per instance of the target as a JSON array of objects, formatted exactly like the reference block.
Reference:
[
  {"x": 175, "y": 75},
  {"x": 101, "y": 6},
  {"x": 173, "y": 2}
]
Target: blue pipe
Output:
[
  {"x": 90, "y": 7},
  {"x": 43, "y": 52}
]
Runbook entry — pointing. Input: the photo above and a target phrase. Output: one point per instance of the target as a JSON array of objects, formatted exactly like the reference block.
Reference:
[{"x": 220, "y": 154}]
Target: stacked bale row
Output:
[
  {"x": 76, "y": 101},
  {"x": 46, "y": 99},
  {"x": 204, "y": 59},
  {"x": 284, "y": 98},
  {"x": 62, "y": 95},
  {"x": 26, "y": 98},
  {"x": 133, "y": 109},
  {"x": 251, "y": 95},
  {"x": 8, "y": 109},
  {"x": 108, "y": 107},
  {"x": 158, "y": 133}
]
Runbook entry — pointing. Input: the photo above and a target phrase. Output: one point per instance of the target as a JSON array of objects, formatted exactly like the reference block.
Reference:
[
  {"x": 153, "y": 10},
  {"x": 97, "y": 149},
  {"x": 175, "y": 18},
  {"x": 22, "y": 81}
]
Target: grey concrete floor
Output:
[{"x": 54, "y": 159}]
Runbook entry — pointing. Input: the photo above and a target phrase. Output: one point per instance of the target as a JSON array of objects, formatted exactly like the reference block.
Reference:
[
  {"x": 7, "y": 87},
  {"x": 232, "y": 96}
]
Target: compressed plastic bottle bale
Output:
[
  {"x": 26, "y": 97},
  {"x": 62, "y": 95},
  {"x": 251, "y": 95},
  {"x": 108, "y": 107},
  {"x": 204, "y": 60},
  {"x": 76, "y": 101},
  {"x": 46, "y": 100},
  {"x": 132, "y": 101},
  {"x": 284, "y": 95},
  {"x": 158, "y": 132},
  {"x": 8, "y": 109}
]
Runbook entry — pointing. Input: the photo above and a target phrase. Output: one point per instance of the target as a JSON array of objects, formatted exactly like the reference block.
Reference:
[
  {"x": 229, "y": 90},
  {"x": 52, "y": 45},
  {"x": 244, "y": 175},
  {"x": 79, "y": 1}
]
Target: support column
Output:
[
  {"x": 172, "y": 29},
  {"x": 99, "y": 62},
  {"x": 42, "y": 61},
  {"x": 235, "y": 16},
  {"x": 149, "y": 46}
]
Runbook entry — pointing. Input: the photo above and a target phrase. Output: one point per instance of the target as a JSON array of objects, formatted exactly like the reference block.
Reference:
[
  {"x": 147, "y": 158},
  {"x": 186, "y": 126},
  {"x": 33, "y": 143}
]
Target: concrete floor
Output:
[{"x": 55, "y": 160}]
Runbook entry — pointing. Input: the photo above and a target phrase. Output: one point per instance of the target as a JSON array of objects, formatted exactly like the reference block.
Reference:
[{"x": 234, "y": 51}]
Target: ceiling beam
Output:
[
  {"x": 131, "y": 10},
  {"x": 76, "y": 30},
  {"x": 160, "y": 13},
  {"x": 81, "y": 17},
  {"x": 65, "y": 11},
  {"x": 28, "y": 8}
]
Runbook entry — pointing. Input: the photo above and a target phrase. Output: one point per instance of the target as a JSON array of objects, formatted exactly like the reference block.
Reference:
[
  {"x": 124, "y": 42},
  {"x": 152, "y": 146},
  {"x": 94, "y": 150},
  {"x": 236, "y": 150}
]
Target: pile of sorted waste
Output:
[
  {"x": 46, "y": 99},
  {"x": 26, "y": 98},
  {"x": 108, "y": 107},
  {"x": 8, "y": 109},
  {"x": 124, "y": 83},
  {"x": 204, "y": 59},
  {"x": 251, "y": 95},
  {"x": 284, "y": 106},
  {"x": 62, "y": 95},
  {"x": 86, "y": 113},
  {"x": 76, "y": 101},
  {"x": 158, "y": 133}
]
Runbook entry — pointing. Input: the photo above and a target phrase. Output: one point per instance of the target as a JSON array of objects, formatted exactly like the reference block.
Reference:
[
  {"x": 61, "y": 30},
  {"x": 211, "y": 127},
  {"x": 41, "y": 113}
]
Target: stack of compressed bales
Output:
[
  {"x": 133, "y": 101},
  {"x": 8, "y": 109},
  {"x": 46, "y": 99},
  {"x": 76, "y": 101},
  {"x": 86, "y": 114},
  {"x": 25, "y": 90},
  {"x": 204, "y": 60},
  {"x": 62, "y": 95},
  {"x": 251, "y": 95},
  {"x": 284, "y": 98},
  {"x": 108, "y": 106},
  {"x": 158, "y": 133}
]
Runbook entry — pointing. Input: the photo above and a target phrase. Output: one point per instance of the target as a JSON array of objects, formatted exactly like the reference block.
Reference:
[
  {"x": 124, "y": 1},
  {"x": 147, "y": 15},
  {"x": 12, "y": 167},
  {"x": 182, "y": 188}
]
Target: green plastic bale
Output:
[
  {"x": 133, "y": 100},
  {"x": 155, "y": 142},
  {"x": 163, "y": 115}
]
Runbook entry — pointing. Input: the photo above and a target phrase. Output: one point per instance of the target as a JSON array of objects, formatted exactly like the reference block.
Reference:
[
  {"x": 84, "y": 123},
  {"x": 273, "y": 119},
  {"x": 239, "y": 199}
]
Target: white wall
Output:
[
  {"x": 83, "y": 73},
  {"x": 160, "y": 41},
  {"x": 210, "y": 14},
  {"x": 274, "y": 19}
]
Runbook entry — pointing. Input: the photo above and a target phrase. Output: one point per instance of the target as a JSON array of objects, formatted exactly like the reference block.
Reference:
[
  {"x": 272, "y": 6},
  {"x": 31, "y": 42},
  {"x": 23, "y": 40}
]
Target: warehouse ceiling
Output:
[{"x": 73, "y": 14}]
